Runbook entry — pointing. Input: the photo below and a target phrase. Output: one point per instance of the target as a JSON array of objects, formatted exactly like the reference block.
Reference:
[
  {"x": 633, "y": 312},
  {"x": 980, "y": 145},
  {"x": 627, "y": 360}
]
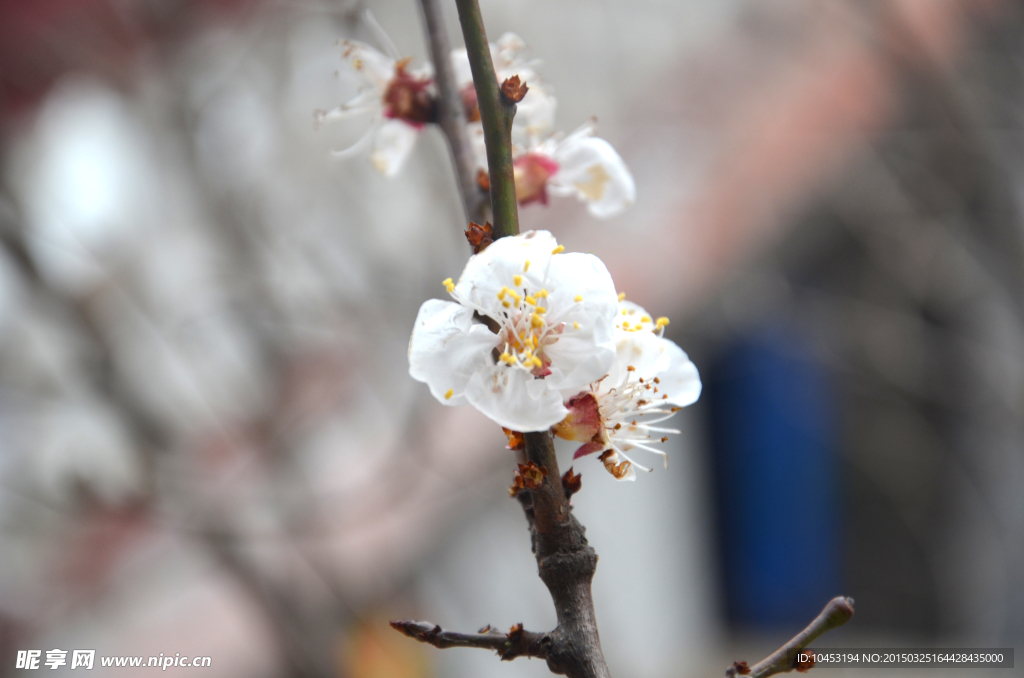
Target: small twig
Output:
[
  {"x": 496, "y": 113},
  {"x": 515, "y": 643},
  {"x": 451, "y": 117},
  {"x": 837, "y": 612}
]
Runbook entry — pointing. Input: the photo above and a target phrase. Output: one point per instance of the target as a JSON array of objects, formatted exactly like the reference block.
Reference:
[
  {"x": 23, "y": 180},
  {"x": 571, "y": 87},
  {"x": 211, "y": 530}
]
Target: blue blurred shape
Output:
[{"x": 774, "y": 441}]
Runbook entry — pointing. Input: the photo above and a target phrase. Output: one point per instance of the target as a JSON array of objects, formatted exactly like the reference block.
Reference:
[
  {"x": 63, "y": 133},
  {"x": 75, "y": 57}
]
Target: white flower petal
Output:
[
  {"x": 535, "y": 114},
  {"x": 646, "y": 352},
  {"x": 515, "y": 399},
  {"x": 446, "y": 348},
  {"x": 374, "y": 67},
  {"x": 680, "y": 380},
  {"x": 391, "y": 146},
  {"x": 590, "y": 169},
  {"x": 460, "y": 64},
  {"x": 585, "y": 350},
  {"x": 486, "y": 273}
]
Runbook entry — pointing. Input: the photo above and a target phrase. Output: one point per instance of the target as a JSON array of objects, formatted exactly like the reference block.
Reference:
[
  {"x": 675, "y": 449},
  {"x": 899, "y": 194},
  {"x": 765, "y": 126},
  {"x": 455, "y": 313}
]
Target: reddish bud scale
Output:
[
  {"x": 479, "y": 236},
  {"x": 513, "y": 89}
]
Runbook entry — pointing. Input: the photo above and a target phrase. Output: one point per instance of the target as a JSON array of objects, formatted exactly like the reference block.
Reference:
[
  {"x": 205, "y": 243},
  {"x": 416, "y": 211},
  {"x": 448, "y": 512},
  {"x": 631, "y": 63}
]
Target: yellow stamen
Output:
[
  {"x": 575, "y": 325},
  {"x": 661, "y": 322},
  {"x": 579, "y": 298},
  {"x": 502, "y": 292},
  {"x": 518, "y": 280},
  {"x": 625, "y": 324},
  {"x": 505, "y": 304},
  {"x": 508, "y": 358},
  {"x": 622, "y": 295},
  {"x": 558, "y": 250},
  {"x": 540, "y": 310},
  {"x": 542, "y": 294},
  {"x": 448, "y": 394},
  {"x": 645, "y": 319},
  {"x": 530, "y": 300},
  {"x": 526, "y": 266},
  {"x": 537, "y": 362},
  {"x": 514, "y": 295},
  {"x": 536, "y": 321},
  {"x": 448, "y": 285}
]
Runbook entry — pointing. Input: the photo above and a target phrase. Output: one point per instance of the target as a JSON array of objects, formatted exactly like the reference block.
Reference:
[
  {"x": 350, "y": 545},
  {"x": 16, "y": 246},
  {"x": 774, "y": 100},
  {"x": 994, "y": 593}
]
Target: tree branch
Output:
[
  {"x": 837, "y": 612},
  {"x": 496, "y": 113},
  {"x": 565, "y": 560},
  {"x": 451, "y": 117},
  {"x": 566, "y": 564},
  {"x": 515, "y": 643}
]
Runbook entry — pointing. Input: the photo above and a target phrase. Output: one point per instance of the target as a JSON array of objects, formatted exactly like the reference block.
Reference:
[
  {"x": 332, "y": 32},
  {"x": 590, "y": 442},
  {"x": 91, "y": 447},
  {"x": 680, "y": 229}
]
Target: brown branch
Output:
[
  {"x": 837, "y": 612},
  {"x": 451, "y": 117},
  {"x": 515, "y": 643},
  {"x": 566, "y": 563}
]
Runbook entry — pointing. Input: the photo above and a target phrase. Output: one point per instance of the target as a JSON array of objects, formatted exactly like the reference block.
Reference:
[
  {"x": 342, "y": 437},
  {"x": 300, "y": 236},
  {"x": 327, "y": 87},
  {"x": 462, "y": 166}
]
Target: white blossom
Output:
[
  {"x": 398, "y": 99},
  {"x": 650, "y": 380},
  {"x": 528, "y": 328},
  {"x": 579, "y": 165},
  {"x": 535, "y": 114}
]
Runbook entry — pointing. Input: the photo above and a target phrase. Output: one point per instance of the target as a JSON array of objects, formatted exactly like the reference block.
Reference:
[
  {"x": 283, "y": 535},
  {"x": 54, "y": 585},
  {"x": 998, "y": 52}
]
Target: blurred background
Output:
[{"x": 209, "y": 442}]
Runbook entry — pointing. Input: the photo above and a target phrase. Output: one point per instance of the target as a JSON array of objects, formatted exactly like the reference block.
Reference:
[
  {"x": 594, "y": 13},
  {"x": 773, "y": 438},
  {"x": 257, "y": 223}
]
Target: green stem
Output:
[{"x": 496, "y": 114}]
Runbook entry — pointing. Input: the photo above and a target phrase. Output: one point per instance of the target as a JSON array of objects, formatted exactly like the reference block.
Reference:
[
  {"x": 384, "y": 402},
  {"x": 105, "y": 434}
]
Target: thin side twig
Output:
[
  {"x": 451, "y": 117},
  {"x": 837, "y": 612},
  {"x": 516, "y": 643}
]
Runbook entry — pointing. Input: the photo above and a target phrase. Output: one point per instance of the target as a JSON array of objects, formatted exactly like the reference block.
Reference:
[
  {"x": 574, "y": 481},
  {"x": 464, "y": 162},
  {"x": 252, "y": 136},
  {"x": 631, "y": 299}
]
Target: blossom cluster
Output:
[
  {"x": 538, "y": 339},
  {"x": 401, "y": 102}
]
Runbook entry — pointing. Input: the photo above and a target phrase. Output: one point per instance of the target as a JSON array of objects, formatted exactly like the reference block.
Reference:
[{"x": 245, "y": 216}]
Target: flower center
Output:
[
  {"x": 407, "y": 98},
  {"x": 531, "y": 173},
  {"x": 524, "y": 329},
  {"x": 630, "y": 410}
]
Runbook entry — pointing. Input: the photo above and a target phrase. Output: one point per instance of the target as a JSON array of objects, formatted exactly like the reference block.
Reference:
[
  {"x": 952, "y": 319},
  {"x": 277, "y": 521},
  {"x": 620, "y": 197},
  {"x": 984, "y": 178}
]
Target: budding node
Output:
[{"x": 513, "y": 89}]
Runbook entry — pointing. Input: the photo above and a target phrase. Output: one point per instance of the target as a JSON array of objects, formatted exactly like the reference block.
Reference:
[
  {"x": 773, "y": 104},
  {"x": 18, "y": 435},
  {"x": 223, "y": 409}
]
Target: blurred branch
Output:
[
  {"x": 837, "y": 612},
  {"x": 496, "y": 113},
  {"x": 515, "y": 643},
  {"x": 451, "y": 116}
]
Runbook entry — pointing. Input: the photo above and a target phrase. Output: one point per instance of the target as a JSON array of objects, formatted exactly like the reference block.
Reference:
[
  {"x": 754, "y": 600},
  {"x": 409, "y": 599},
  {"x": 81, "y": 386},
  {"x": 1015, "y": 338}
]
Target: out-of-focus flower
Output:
[
  {"x": 651, "y": 379},
  {"x": 529, "y": 327},
  {"x": 580, "y": 165},
  {"x": 535, "y": 114},
  {"x": 399, "y": 99}
]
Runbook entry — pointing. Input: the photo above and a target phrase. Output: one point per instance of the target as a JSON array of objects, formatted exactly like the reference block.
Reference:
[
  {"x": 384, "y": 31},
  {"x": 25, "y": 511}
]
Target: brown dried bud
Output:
[
  {"x": 479, "y": 236},
  {"x": 513, "y": 89},
  {"x": 485, "y": 629},
  {"x": 611, "y": 462},
  {"x": 533, "y": 475},
  {"x": 804, "y": 661},
  {"x": 739, "y": 668},
  {"x": 528, "y": 476},
  {"x": 571, "y": 483},
  {"x": 515, "y": 439},
  {"x": 515, "y": 631},
  {"x": 483, "y": 180}
]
